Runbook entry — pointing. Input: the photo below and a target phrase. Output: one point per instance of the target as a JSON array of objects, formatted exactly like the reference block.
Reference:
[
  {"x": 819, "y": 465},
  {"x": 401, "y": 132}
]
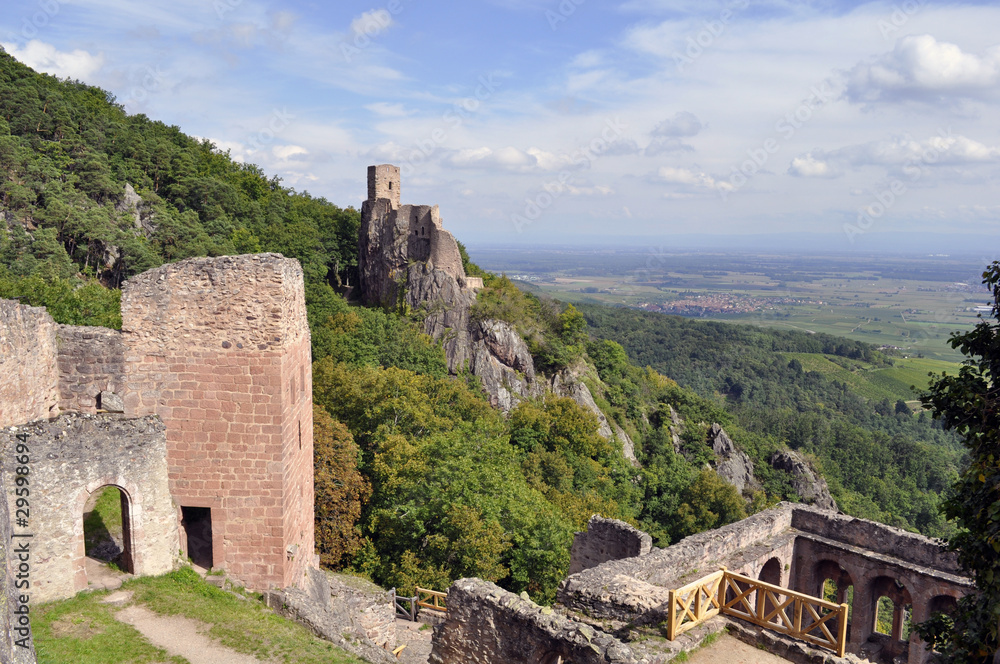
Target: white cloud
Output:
[
  {"x": 286, "y": 152},
  {"x": 684, "y": 124},
  {"x": 38, "y": 55},
  {"x": 896, "y": 153},
  {"x": 809, "y": 166},
  {"x": 388, "y": 110},
  {"x": 372, "y": 23},
  {"x": 921, "y": 67},
  {"x": 689, "y": 178}
]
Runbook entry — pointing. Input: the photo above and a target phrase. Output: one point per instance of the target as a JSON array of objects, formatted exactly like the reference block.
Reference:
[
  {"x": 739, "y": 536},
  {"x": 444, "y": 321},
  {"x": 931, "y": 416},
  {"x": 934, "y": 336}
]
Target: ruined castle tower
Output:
[
  {"x": 393, "y": 236},
  {"x": 219, "y": 349}
]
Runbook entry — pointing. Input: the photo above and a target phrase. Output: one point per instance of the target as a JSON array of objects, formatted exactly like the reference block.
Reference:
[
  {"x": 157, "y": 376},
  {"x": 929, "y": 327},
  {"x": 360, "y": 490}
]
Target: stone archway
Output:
[
  {"x": 901, "y": 605},
  {"x": 107, "y": 530},
  {"x": 130, "y": 559}
]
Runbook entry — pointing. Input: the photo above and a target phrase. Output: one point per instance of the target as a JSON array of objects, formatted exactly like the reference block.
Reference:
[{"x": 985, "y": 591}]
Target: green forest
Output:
[{"x": 418, "y": 480}]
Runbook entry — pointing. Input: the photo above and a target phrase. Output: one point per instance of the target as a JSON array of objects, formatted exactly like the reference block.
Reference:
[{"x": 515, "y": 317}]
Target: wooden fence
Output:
[
  {"x": 431, "y": 599},
  {"x": 800, "y": 616}
]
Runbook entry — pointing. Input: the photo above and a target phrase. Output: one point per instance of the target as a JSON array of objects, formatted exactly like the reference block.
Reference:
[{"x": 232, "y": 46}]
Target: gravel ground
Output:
[{"x": 733, "y": 651}]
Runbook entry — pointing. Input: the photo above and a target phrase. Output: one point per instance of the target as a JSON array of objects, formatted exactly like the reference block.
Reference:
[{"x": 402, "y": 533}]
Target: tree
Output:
[
  {"x": 969, "y": 403},
  {"x": 340, "y": 489}
]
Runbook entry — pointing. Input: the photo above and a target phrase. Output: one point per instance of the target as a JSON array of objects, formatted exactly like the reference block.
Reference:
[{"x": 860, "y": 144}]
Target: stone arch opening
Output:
[
  {"x": 834, "y": 584},
  {"x": 107, "y": 527},
  {"x": 892, "y": 608},
  {"x": 769, "y": 573},
  {"x": 942, "y": 604}
]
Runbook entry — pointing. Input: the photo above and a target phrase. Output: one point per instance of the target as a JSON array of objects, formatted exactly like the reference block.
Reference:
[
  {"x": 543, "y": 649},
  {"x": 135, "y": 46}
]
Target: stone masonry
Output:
[
  {"x": 16, "y": 645},
  {"x": 617, "y": 608},
  {"x": 29, "y": 386},
  {"x": 604, "y": 540},
  {"x": 219, "y": 349},
  {"x": 71, "y": 457}
]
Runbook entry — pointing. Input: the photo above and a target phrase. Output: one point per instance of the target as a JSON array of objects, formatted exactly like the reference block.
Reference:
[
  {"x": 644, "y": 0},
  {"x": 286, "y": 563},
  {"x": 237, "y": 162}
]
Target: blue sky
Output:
[{"x": 541, "y": 121}]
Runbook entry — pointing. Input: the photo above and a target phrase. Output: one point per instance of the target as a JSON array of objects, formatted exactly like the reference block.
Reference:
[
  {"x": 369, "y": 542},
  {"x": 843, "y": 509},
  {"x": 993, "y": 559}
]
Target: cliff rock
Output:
[
  {"x": 733, "y": 465},
  {"x": 811, "y": 487},
  {"x": 568, "y": 383}
]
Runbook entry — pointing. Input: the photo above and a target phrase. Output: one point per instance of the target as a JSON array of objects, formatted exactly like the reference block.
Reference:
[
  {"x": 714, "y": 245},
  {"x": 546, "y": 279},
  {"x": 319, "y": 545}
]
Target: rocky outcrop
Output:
[
  {"x": 810, "y": 486},
  {"x": 406, "y": 258},
  {"x": 676, "y": 428},
  {"x": 732, "y": 465},
  {"x": 568, "y": 383},
  {"x": 141, "y": 212}
]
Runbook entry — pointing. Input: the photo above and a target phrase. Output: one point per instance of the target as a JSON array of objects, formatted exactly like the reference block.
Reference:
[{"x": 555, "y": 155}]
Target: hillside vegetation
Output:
[
  {"x": 418, "y": 480},
  {"x": 841, "y": 401}
]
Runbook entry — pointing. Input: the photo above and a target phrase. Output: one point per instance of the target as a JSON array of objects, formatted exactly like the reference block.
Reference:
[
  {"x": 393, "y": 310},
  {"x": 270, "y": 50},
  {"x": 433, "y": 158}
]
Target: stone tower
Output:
[
  {"x": 383, "y": 182},
  {"x": 219, "y": 348}
]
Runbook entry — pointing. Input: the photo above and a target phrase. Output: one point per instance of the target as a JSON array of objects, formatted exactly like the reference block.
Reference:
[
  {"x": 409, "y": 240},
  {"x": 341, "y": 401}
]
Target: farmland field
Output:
[{"x": 909, "y": 303}]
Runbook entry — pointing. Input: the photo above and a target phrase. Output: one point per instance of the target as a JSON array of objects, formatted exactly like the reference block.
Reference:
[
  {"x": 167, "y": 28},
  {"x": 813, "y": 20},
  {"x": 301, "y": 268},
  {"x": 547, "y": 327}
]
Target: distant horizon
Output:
[{"x": 979, "y": 247}]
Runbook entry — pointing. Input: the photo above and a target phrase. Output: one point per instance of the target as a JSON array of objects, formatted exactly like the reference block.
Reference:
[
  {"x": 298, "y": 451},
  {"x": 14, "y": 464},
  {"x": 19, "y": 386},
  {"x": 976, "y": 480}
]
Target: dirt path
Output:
[
  {"x": 417, "y": 640},
  {"x": 733, "y": 651},
  {"x": 181, "y": 636}
]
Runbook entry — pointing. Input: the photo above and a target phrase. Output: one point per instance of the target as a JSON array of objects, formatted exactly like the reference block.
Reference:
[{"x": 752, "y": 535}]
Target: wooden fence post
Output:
[
  {"x": 672, "y": 615},
  {"x": 842, "y": 635}
]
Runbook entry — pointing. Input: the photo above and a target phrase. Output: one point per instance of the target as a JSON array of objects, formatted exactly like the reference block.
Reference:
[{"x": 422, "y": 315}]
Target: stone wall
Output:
[
  {"x": 384, "y": 182},
  {"x": 91, "y": 361},
  {"x": 73, "y": 456},
  {"x": 635, "y": 589},
  {"x": 219, "y": 349},
  {"x": 487, "y": 624},
  {"x": 16, "y": 644},
  {"x": 604, "y": 540},
  {"x": 29, "y": 383},
  {"x": 877, "y": 538}
]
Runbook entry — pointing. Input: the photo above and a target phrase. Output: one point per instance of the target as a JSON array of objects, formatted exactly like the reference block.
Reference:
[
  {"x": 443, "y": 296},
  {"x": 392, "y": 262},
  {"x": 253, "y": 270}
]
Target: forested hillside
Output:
[
  {"x": 418, "y": 479},
  {"x": 882, "y": 461},
  {"x": 67, "y": 154}
]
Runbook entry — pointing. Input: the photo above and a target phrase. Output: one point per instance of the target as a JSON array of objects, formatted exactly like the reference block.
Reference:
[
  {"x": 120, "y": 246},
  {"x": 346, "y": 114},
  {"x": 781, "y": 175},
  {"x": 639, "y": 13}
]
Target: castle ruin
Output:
[
  {"x": 614, "y": 605},
  {"x": 212, "y": 449}
]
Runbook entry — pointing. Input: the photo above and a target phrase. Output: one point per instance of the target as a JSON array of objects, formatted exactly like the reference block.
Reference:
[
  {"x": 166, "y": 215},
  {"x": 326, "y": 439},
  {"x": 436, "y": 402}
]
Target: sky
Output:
[{"x": 576, "y": 121}]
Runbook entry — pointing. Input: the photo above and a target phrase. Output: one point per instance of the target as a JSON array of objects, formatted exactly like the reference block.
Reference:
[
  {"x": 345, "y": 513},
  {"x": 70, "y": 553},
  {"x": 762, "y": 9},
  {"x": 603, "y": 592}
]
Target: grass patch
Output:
[
  {"x": 104, "y": 520},
  {"x": 874, "y": 383},
  {"x": 245, "y": 626},
  {"x": 83, "y": 630}
]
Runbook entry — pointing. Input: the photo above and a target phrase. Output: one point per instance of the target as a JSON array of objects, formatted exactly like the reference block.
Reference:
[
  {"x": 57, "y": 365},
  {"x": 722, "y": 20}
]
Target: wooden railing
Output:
[
  {"x": 800, "y": 616},
  {"x": 694, "y": 603},
  {"x": 431, "y": 599}
]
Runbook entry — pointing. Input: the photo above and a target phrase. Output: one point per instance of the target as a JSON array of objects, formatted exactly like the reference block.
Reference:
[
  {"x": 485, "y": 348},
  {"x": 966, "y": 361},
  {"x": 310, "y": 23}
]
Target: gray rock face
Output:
[
  {"x": 676, "y": 429},
  {"x": 568, "y": 383},
  {"x": 811, "y": 487},
  {"x": 733, "y": 465}
]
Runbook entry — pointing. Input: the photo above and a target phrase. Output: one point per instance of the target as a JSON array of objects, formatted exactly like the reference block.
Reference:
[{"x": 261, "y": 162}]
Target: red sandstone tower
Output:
[{"x": 220, "y": 350}]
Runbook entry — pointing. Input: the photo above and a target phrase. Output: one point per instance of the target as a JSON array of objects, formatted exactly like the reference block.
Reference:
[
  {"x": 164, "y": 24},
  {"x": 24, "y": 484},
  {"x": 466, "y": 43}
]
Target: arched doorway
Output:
[
  {"x": 107, "y": 531},
  {"x": 834, "y": 584},
  {"x": 892, "y": 608},
  {"x": 769, "y": 573}
]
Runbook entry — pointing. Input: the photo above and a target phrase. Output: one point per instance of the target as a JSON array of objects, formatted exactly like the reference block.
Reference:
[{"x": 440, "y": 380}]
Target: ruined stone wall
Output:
[
  {"x": 91, "y": 361},
  {"x": 420, "y": 225},
  {"x": 488, "y": 625},
  {"x": 604, "y": 540},
  {"x": 219, "y": 349},
  {"x": 16, "y": 643},
  {"x": 876, "y": 537},
  {"x": 28, "y": 375},
  {"x": 73, "y": 456},
  {"x": 635, "y": 589}
]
